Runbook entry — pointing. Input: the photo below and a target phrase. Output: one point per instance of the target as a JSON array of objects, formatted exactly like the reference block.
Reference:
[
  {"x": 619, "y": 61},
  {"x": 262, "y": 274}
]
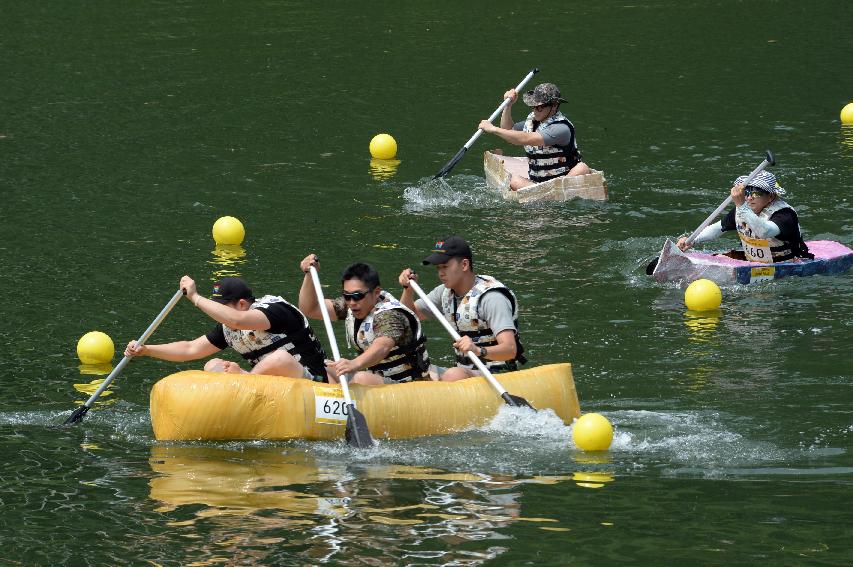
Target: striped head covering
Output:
[{"x": 765, "y": 181}]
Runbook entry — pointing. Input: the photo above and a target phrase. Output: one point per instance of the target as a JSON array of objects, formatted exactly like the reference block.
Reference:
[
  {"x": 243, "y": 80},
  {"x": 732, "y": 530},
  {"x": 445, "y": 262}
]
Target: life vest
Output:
[
  {"x": 769, "y": 250},
  {"x": 463, "y": 314},
  {"x": 403, "y": 363},
  {"x": 302, "y": 345},
  {"x": 550, "y": 162}
]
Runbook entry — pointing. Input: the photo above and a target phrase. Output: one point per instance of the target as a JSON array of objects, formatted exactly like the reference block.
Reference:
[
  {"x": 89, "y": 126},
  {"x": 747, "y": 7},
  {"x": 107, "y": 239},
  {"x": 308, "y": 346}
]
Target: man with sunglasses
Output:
[
  {"x": 547, "y": 135},
  {"x": 768, "y": 227},
  {"x": 483, "y": 310},
  {"x": 270, "y": 333},
  {"x": 386, "y": 333}
]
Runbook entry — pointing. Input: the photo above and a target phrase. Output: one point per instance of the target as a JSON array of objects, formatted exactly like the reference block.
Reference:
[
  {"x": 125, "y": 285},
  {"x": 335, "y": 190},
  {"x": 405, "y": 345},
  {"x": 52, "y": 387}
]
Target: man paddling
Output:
[
  {"x": 547, "y": 135},
  {"x": 481, "y": 309},
  {"x": 387, "y": 334},
  {"x": 270, "y": 333},
  {"x": 767, "y": 226}
]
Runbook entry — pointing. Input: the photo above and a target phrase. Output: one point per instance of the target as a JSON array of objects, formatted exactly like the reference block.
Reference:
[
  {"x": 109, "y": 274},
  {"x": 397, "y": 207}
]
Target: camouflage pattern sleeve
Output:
[
  {"x": 340, "y": 307},
  {"x": 394, "y": 325}
]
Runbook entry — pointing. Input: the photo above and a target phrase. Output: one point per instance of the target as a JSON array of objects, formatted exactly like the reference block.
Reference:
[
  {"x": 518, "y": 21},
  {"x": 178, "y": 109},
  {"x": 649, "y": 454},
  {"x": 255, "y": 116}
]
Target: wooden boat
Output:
[
  {"x": 674, "y": 265},
  {"x": 499, "y": 169},
  {"x": 198, "y": 405}
]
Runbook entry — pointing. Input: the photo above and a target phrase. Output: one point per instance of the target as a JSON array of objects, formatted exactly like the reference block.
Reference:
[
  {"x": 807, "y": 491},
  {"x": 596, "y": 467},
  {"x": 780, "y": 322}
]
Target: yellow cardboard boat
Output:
[{"x": 198, "y": 405}]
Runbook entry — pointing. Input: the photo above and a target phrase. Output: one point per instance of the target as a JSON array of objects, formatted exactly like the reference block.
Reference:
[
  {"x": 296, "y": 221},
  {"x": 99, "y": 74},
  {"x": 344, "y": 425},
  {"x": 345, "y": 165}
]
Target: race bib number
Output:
[
  {"x": 763, "y": 274},
  {"x": 756, "y": 249},
  {"x": 330, "y": 406}
]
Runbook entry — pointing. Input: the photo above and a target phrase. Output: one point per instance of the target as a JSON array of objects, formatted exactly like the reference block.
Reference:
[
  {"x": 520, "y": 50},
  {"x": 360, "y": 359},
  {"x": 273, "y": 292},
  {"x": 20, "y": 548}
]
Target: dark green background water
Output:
[{"x": 127, "y": 129}]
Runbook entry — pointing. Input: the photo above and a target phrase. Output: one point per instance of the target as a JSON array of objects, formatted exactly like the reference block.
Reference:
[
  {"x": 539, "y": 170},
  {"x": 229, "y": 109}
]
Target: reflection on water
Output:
[
  {"x": 245, "y": 497},
  {"x": 592, "y": 479},
  {"x": 702, "y": 325},
  {"x": 96, "y": 369},
  {"x": 229, "y": 258},
  {"x": 89, "y": 388},
  {"x": 846, "y": 138},
  {"x": 383, "y": 169}
]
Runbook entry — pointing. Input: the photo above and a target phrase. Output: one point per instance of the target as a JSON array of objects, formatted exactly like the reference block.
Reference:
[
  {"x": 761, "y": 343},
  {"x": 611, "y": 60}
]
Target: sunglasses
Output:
[
  {"x": 757, "y": 192},
  {"x": 541, "y": 106},
  {"x": 355, "y": 296}
]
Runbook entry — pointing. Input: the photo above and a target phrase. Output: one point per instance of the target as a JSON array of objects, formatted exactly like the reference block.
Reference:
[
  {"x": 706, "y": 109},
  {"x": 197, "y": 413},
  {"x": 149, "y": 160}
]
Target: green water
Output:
[{"x": 128, "y": 128}]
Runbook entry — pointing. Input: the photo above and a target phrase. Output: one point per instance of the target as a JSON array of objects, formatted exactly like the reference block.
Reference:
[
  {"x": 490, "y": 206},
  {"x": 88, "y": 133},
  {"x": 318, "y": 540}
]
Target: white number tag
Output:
[
  {"x": 756, "y": 249},
  {"x": 329, "y": 405}
]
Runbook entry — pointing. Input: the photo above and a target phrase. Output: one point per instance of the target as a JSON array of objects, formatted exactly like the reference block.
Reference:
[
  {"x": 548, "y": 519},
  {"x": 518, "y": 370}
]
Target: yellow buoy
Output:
[
  {"x": 703, "y": 295},
  {"x": 95, "y": 347},
  {"x": 383, "y": 146},
  {"x": 847, "y": 114},
  {"x": 228, "y": 231},
  {"x": 592, "y": 432}
]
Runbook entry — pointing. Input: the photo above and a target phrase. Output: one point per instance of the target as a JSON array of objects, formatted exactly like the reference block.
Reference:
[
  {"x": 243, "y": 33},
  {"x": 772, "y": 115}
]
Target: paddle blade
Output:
[
  {"x": 77, "y": 415},
  {"x": 650, "y": 269},
  {"x": 452, "y": 163},
  {"x": 516, "y": 401},
  {"x": 357, "y": 434}
]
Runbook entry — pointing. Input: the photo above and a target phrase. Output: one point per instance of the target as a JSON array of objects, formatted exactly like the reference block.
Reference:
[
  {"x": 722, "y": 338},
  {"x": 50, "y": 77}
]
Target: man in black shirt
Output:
[{"x": 270, "y": 333}]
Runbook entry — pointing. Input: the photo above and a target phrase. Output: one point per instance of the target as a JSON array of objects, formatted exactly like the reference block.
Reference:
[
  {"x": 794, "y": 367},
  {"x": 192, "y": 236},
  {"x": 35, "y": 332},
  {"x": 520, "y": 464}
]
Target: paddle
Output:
[
  {"x": 769, "y": 159},
  {"x": 516, "y": 401},
  {"x": 357, "y": 433},
  {"x": 82, "y": 410},
  {"x": 449, "y": 165}
]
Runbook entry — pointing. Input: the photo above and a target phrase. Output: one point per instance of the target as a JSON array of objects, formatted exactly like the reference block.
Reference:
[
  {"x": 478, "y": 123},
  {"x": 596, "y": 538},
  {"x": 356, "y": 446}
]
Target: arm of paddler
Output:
[
  {"x": 407, "y": 298},
  {"x": 308, "y": 303},
  {"x": 762, "y": 228},
  {"x": 376, "y": 352},
  {"x": 506, "y": 116},
  {"x": 710, "y": 232},
  {"x": 504, "y": 350},
  {"x": 515, "y": 137},
  {"x": 178, "y": 351},
  {"x": 251, "y": 320}
]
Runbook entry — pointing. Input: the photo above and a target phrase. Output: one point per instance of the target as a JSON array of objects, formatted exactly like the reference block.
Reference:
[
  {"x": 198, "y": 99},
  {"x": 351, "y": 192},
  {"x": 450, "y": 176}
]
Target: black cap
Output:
[
  {"x": 231, "y": 289},
  {"x": 450, "y": 247}
]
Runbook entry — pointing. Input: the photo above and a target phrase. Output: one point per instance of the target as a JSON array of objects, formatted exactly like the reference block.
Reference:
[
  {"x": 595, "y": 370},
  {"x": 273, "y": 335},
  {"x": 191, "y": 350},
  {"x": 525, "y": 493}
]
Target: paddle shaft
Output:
[
  {"x": 446, "y": 324},
  {"x": 327, "y": 321},
  {"x": 455, "y": 159},
  {"x": 141, "y": 341},
  {"x": 768, "y": 160}
]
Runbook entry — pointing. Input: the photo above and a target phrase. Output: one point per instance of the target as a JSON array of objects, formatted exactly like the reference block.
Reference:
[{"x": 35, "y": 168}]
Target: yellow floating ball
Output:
[
  {"x": 847, "y": 114},
  {"x": 592, "y": 432},
  {"x": 95, "y": 347},
  {"x": 703, "y": 295},
  {"x": 228, "y": 231},
  {"x": 383, "y": 146}
]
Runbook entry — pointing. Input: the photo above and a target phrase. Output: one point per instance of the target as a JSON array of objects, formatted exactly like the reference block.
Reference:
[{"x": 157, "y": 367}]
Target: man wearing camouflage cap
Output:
[
  {"x": 768, "y": 227},
  {"x": 547, "y": 135}
]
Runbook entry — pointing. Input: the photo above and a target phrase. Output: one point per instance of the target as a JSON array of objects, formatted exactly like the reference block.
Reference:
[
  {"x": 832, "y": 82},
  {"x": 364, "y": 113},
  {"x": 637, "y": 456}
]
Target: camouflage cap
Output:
[{"x": 543, "y": 94}]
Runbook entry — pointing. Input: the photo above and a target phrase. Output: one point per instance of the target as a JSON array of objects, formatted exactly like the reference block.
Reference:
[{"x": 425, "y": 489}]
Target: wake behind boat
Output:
[
  {"x": 198, "y": 405},
  {"x": 830, "y": 258},
  {"x": 499, "y": 169}
]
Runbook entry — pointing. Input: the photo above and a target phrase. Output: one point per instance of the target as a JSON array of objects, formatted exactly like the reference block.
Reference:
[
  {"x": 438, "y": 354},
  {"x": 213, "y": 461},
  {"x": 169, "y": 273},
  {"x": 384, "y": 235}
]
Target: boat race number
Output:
[
  {"x": 763, "y": 274},
  {"x": 756, "y": 249},
  {"x": 329, "y": 406}
]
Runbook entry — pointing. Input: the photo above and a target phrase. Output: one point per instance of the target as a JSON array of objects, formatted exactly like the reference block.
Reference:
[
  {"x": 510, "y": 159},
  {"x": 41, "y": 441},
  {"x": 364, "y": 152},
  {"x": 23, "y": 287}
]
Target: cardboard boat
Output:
[
  {"x": 499, "y": 169},
  {"x": 673, "y": 265}
]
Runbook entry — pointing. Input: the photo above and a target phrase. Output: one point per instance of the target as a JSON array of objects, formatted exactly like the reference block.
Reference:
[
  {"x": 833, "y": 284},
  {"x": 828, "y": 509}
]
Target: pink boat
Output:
[{"x": 830, "y": 258}]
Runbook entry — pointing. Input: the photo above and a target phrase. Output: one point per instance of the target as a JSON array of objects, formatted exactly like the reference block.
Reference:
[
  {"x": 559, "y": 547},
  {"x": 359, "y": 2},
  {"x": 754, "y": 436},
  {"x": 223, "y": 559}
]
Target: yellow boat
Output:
[
  {"x": 499, "y": 169},
  {"x": 198, "y": 405}
]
